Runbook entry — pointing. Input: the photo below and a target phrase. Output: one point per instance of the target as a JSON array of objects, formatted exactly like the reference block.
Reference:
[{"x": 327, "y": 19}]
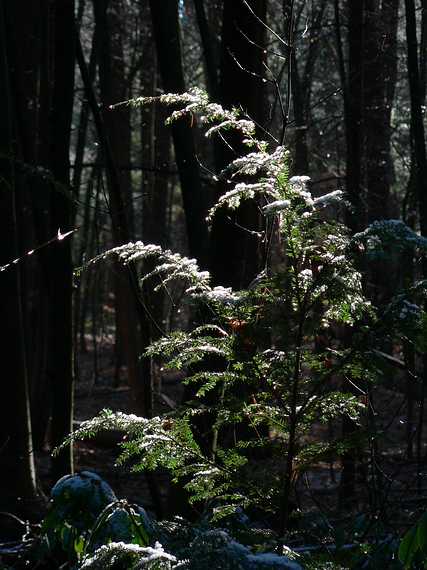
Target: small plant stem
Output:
[
  {"x": 215, "y": 430},
  {"x": 293, "y": 422},
  {"x": 293, "y": 419},
  {"x": 287, "y": 482},
  {"x": 419, "y": 442}
]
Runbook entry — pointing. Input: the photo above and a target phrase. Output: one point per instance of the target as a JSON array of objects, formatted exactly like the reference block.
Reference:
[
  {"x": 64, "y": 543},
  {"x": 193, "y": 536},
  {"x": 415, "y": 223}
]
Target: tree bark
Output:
[
  {"x": 139, "y": 377},
  {"x": 167, "y": 39},
  {"x": 416, "y": 80},
  {"x": 16, "y": 448},
  {"x": 235, "y": 255},
  {"x": 355, "y": 218},
  {"x": 353, "y": 116},
  {"x": 117, "y": 126},
  {"x": 417, "y": 123},
  {"x": 60, "y": 264},
  {"x": 209, "y": 51},
  {"x": 379, "y": 81}
]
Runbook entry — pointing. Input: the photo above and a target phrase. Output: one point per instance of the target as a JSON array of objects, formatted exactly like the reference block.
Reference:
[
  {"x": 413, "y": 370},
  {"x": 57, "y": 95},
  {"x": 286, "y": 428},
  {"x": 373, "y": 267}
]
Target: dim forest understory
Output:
[{"x": 213, "y": 270}]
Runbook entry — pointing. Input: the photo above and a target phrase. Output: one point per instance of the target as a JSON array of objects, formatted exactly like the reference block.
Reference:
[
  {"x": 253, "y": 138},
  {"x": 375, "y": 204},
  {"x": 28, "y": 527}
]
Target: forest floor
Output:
[
  {"x": 388, "y": 485},
  {"x": 94, "y": 393}
]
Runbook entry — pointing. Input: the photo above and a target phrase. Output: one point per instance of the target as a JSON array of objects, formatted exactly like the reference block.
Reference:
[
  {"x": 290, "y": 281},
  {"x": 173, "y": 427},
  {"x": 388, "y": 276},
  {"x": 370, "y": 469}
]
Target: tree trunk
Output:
[
  {"x": 355, "y": 218},
  {"x": 417, "y": 123},
  {"x": 139, "y": 375},
  {"x": 380, "y": 69},
  {"x": 235, "y": 255},
  {"x": 60, "y": 266},
  {"x": 117, "y": 125},
  {"x": 379, "y": 81},
  {"x": 416, "y": 80},
  {"x": 209, "y": 51},
  {"x": 16, "y": 448},
  {"x": 353, "y": 116},
  {"x": 167, "y": 38}
]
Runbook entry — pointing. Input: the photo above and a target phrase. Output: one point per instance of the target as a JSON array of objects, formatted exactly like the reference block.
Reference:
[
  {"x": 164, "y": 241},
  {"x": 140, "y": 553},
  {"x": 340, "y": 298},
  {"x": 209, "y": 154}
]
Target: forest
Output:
[{"x": 213, "y": 284}]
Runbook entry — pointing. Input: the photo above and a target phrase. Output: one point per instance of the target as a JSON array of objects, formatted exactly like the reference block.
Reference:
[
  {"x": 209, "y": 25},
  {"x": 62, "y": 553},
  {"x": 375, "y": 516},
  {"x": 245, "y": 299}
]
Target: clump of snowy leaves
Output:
[
  {"x": 156, "y": 441},
  {"x": 135, "y": 557},
  {"x": 169, "y": 266},
  {"x": 189, "y": 548},
  {"x": 204, "y": 549},
  {"x": 196, "y": 102},
  {"x": 403, "y": 318},
  {"x": 217, "y": 549},
  {"x": 389, "y": 236}
]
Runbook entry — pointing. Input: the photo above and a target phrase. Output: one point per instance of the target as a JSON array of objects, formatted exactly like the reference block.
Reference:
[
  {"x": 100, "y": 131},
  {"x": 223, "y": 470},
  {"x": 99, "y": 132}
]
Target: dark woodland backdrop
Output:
[{"x": 341, "y": 83}]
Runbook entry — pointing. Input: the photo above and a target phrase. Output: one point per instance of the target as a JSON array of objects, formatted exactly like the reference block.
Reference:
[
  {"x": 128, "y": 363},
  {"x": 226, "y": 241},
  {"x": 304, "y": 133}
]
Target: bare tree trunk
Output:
[
  {"x": 379, "y": 81},
  {"x": 139, "y": 375},
  {"x": 16, "y": 447},
  {"x": 417, "y": 123},
  {"x": 355, "y": 218},
  {"x": 117, "y": 125},
  {"x": 209, "y": 51},
  {"x": 301, "y": 85},
  {"x": 417, "y": 93},
  {"x": 61, "y": 268},
  {"x": 380, "y": 70},
  {"x": 235, "y": 255},
  {"x": 353, "y": 116},
  {"x": 39, "y": 312},
  {"x": 83, "y": 125},
  {"x": 167, "y": 38}
]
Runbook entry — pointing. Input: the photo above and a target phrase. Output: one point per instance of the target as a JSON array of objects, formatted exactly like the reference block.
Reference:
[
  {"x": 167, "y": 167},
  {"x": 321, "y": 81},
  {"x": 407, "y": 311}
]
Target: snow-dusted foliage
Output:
[
  {"x": 389, "y": 236},
  {"x": 263, "y": 365},
  {"x": 217, "y": 549},
  {"x": 169, "y": 266},
  {"x": 254, "y": 358},
  {"x": 196, "y": 102},
  {"x": 195, "y": 550},
  {"x": 86, "y": 489},
  {"x": 133, "y": 556}
]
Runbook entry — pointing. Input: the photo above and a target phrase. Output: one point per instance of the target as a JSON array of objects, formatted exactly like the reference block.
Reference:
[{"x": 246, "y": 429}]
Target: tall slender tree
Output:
[
  {"x": 166, "y": 31},
  {"x": 417, "y": 91},
  {"x": 60, "y": 266},
  {"x": 235, "y": 257},
  {"x": 113, "y": 88},
  {"x": 379, "y": 81},
  {"x": 17, "y": 471},
  {"x": 302, "y": 75}
]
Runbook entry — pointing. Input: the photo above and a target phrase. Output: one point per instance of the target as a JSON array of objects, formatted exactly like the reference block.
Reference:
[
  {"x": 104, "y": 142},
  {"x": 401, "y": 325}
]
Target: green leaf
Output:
[
  {"x": 422, "y": 534},
  {"x": 141, "y": 534},
  {"x": 408, "y": 547},
  {"x": 79, "y": 544}
]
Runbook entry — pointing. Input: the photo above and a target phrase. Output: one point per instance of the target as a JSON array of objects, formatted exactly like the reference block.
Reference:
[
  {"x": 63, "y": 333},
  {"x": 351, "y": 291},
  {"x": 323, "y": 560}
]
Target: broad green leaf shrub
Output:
[
  {"x": 79, "y": 499},
  {"x": 120, "y": 535},
  {"x": 189, "y": 547},
  {"x": 85, "y": 514},
  {"x": 413, "y": 546}
]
